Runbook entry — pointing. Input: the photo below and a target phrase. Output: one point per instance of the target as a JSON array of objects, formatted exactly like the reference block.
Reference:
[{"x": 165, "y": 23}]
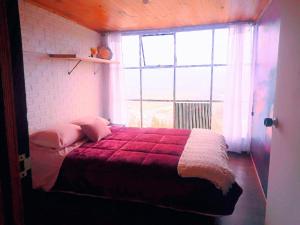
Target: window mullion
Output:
[
  {"x": 212, "y": 74},
  {"x": 174, "y": 79},
  {"x": 141, "y": 81}
]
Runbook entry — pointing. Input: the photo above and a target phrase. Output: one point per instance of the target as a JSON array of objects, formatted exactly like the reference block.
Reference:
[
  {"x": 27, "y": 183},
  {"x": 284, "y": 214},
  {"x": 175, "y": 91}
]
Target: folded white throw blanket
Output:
[{"x": 204, "y": 156}]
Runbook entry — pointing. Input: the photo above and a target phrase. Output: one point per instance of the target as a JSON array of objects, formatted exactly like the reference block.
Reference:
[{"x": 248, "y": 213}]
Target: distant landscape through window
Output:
[{"x": 163, "y": 70}]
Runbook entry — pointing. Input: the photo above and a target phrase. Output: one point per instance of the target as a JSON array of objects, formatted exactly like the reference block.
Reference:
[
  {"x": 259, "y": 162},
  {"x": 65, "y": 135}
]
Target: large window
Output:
[{"x": 176, "y": 78}]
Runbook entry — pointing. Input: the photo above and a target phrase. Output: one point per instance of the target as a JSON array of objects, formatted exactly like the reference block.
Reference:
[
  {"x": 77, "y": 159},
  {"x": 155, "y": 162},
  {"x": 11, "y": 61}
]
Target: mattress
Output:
[{"x": 140, "y": 164}]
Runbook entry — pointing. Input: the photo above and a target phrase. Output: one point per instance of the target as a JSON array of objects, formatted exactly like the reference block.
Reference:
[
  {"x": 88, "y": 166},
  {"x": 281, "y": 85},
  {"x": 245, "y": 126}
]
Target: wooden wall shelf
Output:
[
  {"x": 80, "y": 59},
  {"x": 86, "y": 59}
]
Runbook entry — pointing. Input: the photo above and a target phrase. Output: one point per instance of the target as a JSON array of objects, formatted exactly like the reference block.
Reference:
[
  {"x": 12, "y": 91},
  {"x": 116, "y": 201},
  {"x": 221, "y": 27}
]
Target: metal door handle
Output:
[{"x": 268, "y": 122}]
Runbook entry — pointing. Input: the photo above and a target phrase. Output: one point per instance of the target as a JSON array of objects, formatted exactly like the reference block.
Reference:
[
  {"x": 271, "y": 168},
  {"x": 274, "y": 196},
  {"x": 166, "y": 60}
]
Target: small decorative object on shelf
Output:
[
  {"x": 93, "y": 52},
  {"x": 104, "y": 53}
]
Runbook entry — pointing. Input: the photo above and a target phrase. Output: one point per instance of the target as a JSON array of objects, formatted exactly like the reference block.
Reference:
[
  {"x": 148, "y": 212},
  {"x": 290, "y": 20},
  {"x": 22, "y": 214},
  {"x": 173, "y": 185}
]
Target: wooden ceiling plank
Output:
[{"x": 116, "y": 15}]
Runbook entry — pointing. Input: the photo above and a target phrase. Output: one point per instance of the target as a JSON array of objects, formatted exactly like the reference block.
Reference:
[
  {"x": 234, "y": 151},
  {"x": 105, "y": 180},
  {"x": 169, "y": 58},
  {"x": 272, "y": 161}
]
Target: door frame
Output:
[{"x": 13, "y": 119}]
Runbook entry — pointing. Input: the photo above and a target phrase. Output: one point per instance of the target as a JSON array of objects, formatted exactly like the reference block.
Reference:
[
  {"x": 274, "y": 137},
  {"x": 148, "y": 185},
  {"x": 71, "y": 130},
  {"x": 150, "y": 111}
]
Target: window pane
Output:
[
  {"x": 158, "y": 50},
  {"x": 157, "y": 84},
  {"x": 219, "y": 82},
  {"x": 133, "y": 114},
  {"x": 194, "y": 47},
  {"x": 132, "y": 83},
  {"x": 217, "y": 117},
  {"x": 221, "y": 46},
  {"x": 158, "y": 114},
  {"x": 130, "y": 51},
  {"x": 193, "y": 83}
]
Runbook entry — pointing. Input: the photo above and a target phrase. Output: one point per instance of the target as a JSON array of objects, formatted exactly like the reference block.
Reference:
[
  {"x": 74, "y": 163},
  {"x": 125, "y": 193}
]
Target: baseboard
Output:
[{"x": 259, "y": 181}]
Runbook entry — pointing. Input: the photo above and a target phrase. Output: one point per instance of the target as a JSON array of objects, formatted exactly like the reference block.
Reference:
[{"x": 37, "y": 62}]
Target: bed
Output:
[{"x": 148, "y": 165}]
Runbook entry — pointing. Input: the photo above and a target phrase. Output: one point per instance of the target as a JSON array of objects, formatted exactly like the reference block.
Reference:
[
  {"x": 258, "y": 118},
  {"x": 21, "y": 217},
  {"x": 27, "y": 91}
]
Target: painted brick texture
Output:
[{"x": 52, "y": 95}]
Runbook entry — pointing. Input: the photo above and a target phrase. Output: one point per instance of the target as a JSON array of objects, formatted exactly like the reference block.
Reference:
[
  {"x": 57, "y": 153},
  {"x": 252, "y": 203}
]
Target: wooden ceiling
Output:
[{"x": 123, "y": 15}]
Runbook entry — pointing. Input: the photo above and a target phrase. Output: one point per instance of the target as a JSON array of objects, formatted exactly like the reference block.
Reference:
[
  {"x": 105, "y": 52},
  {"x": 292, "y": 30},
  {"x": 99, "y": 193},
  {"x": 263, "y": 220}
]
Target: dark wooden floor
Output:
[
  {"x": 65, "y": 210},
  {"x": 250, "y": 209}
]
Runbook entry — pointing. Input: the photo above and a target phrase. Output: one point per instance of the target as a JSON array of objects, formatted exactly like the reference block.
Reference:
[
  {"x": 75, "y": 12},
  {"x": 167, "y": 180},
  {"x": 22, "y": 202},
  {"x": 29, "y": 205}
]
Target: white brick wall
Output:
[{"x": 52, "y": 95}]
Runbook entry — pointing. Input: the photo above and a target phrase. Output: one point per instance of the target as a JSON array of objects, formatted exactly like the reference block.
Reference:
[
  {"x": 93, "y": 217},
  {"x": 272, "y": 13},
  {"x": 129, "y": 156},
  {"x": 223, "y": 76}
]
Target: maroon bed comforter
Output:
[{"x": 141, "y": 165}]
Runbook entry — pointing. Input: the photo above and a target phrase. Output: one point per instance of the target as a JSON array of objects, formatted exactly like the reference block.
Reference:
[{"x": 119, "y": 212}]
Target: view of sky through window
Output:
[{"x": 183, "y": 66}]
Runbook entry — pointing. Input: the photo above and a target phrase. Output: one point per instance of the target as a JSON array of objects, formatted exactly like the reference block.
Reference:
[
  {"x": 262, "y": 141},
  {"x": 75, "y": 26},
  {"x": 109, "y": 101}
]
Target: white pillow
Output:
[
  {"x": 95, "y": 130},
  {"x": 90, "y": 119},
  {"x": 57, "y": 137}
]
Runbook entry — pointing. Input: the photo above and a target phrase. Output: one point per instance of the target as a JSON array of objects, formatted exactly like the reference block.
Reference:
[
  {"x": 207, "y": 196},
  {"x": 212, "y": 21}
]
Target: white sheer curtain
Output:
[
  {"x": 238, "y": 94},
  {"x": 113, "y": 82}
]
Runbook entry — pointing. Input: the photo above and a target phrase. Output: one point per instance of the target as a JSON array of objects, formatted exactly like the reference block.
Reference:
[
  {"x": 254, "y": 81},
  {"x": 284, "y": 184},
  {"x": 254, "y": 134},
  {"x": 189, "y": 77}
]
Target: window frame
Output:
[{"x": 142, "y": 66}]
